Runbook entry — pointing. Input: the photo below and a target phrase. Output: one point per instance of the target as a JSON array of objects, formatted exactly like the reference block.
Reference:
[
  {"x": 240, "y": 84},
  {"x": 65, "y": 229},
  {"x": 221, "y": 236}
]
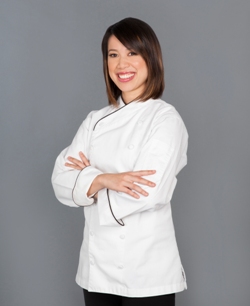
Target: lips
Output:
[{"x": 125, "y": 77}]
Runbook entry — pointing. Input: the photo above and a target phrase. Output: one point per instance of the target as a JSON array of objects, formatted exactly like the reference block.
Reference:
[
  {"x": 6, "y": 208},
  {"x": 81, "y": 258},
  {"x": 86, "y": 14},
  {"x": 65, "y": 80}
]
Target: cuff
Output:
[
  {"x": 106, "y": 214},
  {"x": 82, "y": 185}
]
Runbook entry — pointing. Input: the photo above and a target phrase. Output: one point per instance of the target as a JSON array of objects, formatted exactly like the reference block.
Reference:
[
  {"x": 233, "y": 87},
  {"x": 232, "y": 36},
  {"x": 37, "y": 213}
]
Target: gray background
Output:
[{"x": 51, "y": 77}]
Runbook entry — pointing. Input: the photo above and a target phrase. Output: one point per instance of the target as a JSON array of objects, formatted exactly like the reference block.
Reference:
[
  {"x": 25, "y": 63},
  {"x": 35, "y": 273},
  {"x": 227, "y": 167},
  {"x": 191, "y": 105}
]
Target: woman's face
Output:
[{"x": 127, "y": 69}]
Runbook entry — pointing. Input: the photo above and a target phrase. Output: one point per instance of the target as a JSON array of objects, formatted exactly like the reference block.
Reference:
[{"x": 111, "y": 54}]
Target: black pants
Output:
[{"x": 102, "y": 299}]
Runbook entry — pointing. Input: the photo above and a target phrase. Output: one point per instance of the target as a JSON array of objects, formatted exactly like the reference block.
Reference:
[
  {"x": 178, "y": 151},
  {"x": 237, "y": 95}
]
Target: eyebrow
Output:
[{"x": 118, "y": 51}]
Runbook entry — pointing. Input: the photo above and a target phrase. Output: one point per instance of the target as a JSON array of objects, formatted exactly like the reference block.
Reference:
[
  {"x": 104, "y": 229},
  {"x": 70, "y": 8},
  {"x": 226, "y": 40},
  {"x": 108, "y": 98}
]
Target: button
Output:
[
  {"x": 91, "y": 233},
  {"x": 92, "y": 263},
  {"x": 120, "y": 267},
  {"x": 131, "y": 147},
  {"x": 122, "y": 236},
  {"x": 140, "y": 122}
]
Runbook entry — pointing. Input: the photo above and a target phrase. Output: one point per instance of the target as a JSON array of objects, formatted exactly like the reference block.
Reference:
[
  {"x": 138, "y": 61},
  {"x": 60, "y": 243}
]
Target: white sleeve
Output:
[
  {"x": 164, "y": 152},
  {"x": 70, "y": 185}
]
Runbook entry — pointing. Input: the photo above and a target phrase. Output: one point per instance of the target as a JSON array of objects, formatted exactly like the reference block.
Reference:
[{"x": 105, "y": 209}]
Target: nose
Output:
[{"x": 123, "y": 62}]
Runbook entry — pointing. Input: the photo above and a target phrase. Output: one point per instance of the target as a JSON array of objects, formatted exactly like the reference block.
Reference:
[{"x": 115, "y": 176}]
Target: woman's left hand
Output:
[{"x": 76, "y": 163}]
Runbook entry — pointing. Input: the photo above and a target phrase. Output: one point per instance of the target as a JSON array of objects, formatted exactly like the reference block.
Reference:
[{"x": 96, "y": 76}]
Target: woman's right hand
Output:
[{"x": 125, "y": 182}]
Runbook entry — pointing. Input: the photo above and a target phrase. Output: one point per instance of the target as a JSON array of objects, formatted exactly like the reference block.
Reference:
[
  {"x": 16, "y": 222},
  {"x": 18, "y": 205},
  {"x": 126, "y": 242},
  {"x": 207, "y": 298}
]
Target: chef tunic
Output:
[{"x": 129, "y": 246}]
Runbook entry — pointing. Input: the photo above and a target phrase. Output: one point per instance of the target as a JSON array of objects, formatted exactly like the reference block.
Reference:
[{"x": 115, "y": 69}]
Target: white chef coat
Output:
[{"x": 129, "y": 246}]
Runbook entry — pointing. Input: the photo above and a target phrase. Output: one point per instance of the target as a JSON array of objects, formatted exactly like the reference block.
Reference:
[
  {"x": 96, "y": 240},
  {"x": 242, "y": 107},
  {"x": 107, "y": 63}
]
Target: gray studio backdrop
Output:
[{"x": 51, "y": 77}]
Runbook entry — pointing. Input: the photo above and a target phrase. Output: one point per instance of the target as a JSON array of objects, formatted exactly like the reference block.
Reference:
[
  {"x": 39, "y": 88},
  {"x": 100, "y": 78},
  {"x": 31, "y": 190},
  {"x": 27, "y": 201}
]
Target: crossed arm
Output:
[{"x": 125, "y": 182}]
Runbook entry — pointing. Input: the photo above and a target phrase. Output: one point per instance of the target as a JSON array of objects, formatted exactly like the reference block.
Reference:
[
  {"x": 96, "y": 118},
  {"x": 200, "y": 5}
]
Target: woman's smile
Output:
[{"x": 126, "y": 76}]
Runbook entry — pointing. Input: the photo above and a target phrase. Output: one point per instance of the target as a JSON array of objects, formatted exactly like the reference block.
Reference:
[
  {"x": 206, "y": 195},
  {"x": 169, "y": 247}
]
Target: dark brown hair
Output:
[{"x": 138, "y": 36}]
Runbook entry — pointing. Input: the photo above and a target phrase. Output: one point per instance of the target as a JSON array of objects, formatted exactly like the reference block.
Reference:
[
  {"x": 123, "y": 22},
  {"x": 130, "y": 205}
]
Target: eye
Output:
[
  {"x": 112, "y": 55},
  {"x": 132, "y": 53}
]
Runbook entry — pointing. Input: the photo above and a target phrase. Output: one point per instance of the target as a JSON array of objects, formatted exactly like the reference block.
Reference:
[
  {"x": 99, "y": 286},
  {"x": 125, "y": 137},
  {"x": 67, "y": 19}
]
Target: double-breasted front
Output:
[{"x": 129, "y": 246}]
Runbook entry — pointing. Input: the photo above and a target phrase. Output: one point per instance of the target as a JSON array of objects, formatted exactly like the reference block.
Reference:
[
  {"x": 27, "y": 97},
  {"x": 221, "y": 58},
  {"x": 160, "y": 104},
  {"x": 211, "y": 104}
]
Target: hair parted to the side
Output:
[{"x": 138, "y": 36}]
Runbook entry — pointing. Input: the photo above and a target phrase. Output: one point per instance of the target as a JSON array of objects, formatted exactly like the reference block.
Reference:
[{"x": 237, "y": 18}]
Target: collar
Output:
[{"x": 121, "y": 103}]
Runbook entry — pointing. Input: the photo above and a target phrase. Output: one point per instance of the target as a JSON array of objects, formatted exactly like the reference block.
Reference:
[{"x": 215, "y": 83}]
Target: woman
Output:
[{"x": 121, "y": 167}]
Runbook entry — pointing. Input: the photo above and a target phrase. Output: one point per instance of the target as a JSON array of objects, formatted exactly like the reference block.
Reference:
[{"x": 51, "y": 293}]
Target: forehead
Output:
[{"x": 115, "y": 44}]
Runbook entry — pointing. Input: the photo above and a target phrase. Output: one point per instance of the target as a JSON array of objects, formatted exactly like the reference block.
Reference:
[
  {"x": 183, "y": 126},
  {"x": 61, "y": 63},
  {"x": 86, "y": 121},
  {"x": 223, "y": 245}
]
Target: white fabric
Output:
[{"x": 140, "y": 258}]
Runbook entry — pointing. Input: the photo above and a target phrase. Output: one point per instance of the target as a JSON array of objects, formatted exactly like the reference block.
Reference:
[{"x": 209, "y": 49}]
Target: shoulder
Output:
[
  {"x": 95, "y": 115},
  {"x": 165, "y": 118},
  {"x": 161, "y": 110},
  {"x": 101, "y": 112}
]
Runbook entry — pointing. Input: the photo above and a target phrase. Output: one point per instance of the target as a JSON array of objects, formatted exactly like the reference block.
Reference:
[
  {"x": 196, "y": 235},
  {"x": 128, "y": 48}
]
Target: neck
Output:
[{"x": 127, "y": 99}]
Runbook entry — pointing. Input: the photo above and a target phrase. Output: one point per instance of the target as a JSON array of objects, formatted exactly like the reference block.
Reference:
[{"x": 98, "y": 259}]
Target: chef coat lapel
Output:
[{"x": 122, "y": 109}]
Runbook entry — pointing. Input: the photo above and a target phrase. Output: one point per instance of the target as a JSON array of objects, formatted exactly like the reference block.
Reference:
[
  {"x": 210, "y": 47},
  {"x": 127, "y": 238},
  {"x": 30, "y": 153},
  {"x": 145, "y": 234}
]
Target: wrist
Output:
[
  {"x": 99, "y": 181},
  {"x": 96, "y": 185}
]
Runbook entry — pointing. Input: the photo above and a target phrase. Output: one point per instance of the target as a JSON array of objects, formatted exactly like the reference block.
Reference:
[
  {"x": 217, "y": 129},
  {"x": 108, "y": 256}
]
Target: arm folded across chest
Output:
[
  {"x": 165, "y": 152},
  {"x": 64, "y": 178}
]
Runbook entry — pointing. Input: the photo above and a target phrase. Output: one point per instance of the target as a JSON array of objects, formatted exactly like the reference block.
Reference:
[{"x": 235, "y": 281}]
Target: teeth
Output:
[{"x": 126, "y": 76}]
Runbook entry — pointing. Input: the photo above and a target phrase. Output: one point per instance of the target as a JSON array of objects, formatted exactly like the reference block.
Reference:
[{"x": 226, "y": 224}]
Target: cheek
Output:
[
  {"x": 144, "y": 72},
  {"x": 111, "y": 66},
  {"x": 141, "y": 66},
  {"x": 111, "y": 71},
  {"x": 145, "y": 69}
]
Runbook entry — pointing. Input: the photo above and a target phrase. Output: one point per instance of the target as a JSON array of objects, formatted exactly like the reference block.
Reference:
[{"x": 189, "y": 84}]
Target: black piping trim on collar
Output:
[
  {"x": 108, "y": 115},
  {"x": 119, "y": 222}
]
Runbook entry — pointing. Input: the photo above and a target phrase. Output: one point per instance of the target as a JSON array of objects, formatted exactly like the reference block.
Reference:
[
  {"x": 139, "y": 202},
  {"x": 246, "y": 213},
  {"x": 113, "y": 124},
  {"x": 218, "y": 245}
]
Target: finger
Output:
[
  {"x": 145, "y": 182},
  {"x": 131, "y": 193},
  {"x": 73, "y": 166},
  {"x": 84, "y": 158},
  {"x": 138, "y": 189},
  {"x": 139, "y": 180},
  {"x": 142, "y": 172},
  {"x": 76, "y": 161}
]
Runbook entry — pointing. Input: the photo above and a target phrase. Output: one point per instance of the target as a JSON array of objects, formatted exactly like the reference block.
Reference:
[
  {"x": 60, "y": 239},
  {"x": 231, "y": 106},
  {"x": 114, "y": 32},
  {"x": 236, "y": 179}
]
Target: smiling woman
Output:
[
  {"x": 140, "y": 41},
  {"x": 121, "y": 167},
  {"x": 127, "y": 69}
]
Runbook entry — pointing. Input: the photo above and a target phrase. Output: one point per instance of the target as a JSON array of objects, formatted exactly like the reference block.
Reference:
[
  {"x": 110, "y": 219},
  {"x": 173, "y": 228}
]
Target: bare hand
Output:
[
  {"x": 126, "y": 182},
  {"x": 76, "y": 163}
]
